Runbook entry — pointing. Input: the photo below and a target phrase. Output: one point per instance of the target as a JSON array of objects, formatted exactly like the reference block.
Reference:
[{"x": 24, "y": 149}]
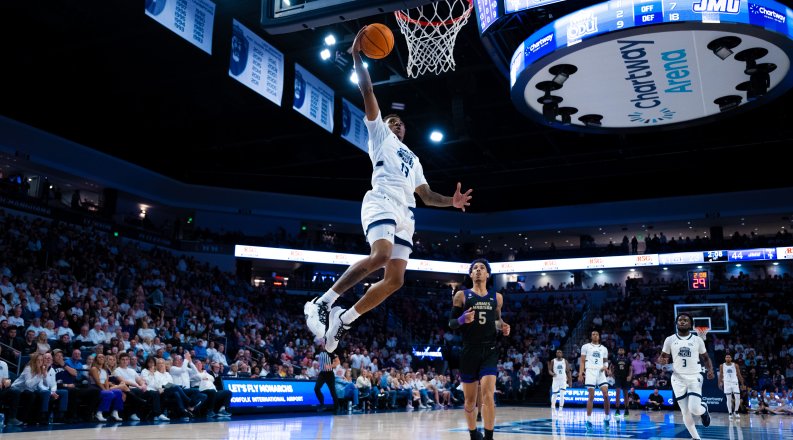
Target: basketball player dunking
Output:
[
  {"x": 480, "y": 323},
  {"x": 562, "y": 378},
  {"x": 386, "y": 217},
  {"x": 731, "y": 381},
  {"x": 687, "y": 351}
]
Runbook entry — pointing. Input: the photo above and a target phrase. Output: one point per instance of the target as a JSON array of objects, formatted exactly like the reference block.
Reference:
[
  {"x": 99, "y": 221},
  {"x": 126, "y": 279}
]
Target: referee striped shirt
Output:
[{"x": 324, "y": 361}]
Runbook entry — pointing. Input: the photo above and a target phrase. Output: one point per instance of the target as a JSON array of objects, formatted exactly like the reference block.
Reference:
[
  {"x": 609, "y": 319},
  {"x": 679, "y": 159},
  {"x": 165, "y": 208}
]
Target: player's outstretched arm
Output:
[
  {"x": 371, "y": 108},
  {"x": 430, "y": 198}
]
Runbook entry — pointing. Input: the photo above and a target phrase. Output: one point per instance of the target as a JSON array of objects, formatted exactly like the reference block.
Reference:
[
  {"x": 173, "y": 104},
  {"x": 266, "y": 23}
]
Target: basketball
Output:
[{"x": 377, "y": 41}]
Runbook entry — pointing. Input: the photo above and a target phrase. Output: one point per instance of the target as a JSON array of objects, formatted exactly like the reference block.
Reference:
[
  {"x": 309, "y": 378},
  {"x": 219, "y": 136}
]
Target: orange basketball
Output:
[{"x": 377, "y": 41}]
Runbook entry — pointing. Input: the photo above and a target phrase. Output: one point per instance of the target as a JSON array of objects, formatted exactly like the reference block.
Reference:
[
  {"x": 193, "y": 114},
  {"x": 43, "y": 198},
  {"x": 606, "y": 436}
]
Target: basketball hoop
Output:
[
  {"x": 702, "y": 332},
  {"x": 431, "y": 31}
]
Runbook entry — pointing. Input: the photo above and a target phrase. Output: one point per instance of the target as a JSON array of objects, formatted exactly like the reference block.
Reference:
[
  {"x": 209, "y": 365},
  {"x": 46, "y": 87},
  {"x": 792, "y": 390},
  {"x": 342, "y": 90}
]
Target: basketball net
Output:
[
  {"x": 702, "y": 332},
  {"x": 431, "y": 31}
]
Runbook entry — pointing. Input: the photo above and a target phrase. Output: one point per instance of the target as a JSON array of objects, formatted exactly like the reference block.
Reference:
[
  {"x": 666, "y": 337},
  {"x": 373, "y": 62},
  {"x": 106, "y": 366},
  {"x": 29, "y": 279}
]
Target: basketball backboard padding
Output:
[{"x": 281, "y": 17}]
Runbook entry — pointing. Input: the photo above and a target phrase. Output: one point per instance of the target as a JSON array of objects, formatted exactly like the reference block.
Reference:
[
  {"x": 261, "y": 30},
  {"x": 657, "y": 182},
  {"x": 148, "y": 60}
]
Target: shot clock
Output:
[{"x": 698, "y": 280}]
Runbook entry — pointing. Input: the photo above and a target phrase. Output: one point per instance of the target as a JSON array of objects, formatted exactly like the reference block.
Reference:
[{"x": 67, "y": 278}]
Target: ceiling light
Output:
[
  {"x": 330, "y": 40},
  {"x": 436, "y": 136},
  {"x": 325, "y": 54},
  {"x": 354, "y": 77}
]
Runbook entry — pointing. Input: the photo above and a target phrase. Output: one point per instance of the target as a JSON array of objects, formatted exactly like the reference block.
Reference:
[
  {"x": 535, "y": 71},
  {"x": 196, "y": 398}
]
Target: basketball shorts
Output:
[
  {"x": 685, "y": 384},
  {"x": 732, "y": 388},
  {"x": 621, "y": 382},
  {"x": 557, "y": 385},
  {"x": 595, "y": 378},
  {"x": 384, "y": 218},
  {"x": 477, "y": 361}
]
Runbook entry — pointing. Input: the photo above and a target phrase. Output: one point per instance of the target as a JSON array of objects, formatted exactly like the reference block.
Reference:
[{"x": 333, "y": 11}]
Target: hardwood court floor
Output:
[{"x": 511, "y": 423}]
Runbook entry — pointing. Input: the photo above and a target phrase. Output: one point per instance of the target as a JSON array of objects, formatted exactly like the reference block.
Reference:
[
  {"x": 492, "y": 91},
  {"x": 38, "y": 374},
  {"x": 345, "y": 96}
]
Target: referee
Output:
[{"x": 325, "y": 376}]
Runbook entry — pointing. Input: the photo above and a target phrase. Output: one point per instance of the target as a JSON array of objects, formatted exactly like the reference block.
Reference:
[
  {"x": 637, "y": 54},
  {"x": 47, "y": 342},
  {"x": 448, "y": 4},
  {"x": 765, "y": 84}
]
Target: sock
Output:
[
  {"x": 473, "y": 433},
  {"x": 329, "y": 297},
  {"x": 349, "y": 316},
  {"x": 561, "y": 398},
  {"x": 729, "y": 404},
  {"x": 488, "y": 434},
  {"x": 589, "y": 417}
]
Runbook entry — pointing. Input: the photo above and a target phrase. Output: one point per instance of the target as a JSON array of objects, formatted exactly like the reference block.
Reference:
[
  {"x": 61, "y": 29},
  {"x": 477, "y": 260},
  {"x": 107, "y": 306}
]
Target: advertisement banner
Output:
[{"x": 273, "y": 394}]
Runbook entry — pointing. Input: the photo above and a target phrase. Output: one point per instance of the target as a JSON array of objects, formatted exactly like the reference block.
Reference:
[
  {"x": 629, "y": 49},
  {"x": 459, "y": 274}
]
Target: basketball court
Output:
[{"x": 511, "y": 423}]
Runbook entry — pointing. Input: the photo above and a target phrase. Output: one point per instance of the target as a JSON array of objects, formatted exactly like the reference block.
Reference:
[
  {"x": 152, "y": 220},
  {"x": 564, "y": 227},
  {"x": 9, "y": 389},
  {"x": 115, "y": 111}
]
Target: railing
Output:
[{"x": 17, "y": 363}]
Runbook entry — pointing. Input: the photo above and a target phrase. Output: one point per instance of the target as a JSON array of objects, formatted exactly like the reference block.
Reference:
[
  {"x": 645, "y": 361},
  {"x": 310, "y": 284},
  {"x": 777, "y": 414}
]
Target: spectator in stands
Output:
[
  {"x": 68, "y": 378},
  {"x": 59, "y": 397},
  {"x": 29, "y": 344},
  {"x": 42, "y": 345},
  {"x": 655, "y": 401},
  {"x": 139, "y": 397},
  {"x": 8, "y": 396},
  {"x": 217, "y": 398},
  {"x": 32, "y": 384},
  {"x": 111, "y": 395},
  {"x": 180, "y": 372},
  {"x": 633, "y": 401}
]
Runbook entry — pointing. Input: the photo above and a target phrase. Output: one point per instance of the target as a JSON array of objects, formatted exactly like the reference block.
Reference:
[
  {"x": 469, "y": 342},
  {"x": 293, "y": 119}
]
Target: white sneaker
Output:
[
  {"x": 100, "y": 417},
  {"x": 736, "y": 415},
  {"x": 316, "y": 313},
  {"x": 114, "y": 415},
  {"x": 336, "y": 329},
  {"x": 162, "y": 418},
  {"x": 134, "y": 418}
]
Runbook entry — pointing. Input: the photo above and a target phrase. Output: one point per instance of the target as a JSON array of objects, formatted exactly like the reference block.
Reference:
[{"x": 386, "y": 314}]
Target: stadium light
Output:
[
  {"x": 436, "y": 136},
  {"x": 325, "y": 54},
  {"x": 330, "y": 40}
]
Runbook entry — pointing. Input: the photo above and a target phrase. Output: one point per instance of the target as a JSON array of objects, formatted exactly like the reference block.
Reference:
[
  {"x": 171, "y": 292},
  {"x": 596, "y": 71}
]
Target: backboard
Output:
[{"x": 713, "y": 315}]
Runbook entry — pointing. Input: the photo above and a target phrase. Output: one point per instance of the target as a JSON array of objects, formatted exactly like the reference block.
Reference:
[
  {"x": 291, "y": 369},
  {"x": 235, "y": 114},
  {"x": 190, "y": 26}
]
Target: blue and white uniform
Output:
[
  {"x": 596, "y": 357},
  {"x": 396, "y": 174}
]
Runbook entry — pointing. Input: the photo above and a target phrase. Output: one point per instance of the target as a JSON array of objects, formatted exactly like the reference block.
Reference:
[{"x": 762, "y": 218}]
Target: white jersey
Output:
[
  {"x": 730, "y": 375},
  {"x": 560, "y": 369},
  {"x": 596, "y": 355},
  {"x": 685, "y": 353},
  {"x": 396, "y": 170}
]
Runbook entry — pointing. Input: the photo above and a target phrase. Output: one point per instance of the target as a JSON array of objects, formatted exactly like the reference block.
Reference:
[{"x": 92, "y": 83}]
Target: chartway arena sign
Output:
[{"x": 632, "y": 65}]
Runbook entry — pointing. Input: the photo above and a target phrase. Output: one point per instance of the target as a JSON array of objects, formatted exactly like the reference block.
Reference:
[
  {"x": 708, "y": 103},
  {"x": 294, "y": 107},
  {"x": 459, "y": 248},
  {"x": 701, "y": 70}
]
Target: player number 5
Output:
[{"x": 482, "y": 317}]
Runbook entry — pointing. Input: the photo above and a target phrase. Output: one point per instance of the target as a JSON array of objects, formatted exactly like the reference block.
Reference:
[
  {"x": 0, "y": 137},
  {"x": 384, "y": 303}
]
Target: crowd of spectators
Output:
[{"x": 93, "y": 326}]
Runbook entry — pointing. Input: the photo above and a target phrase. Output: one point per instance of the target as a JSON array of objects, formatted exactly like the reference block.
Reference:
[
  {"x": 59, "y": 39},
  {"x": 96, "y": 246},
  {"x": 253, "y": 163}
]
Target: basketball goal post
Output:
[{"x": 431, "y": 31}]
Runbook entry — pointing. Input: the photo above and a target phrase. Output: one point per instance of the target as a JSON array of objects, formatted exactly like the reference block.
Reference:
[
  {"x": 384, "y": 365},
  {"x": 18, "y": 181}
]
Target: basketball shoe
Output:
[
  {"x": 336, "y": 329},
  {"x": 316, "y": 313}
]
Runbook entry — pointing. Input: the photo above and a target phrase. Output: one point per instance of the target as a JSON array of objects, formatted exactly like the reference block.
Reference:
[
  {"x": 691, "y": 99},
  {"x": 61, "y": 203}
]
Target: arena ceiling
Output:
[{"x": 107, "y": 76}]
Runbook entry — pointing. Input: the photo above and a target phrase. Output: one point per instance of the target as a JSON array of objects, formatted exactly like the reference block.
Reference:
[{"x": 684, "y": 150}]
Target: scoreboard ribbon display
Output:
[{"x": 617, "y": 15}]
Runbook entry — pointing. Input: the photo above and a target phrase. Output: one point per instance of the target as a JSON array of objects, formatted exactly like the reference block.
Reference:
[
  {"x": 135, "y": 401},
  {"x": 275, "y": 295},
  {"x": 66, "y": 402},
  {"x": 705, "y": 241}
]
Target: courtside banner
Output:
[
  {"x": 190, "y": 19},
  {"x": 353, "y": 129},
  {"x": 256, "y": 63},
  {"x": 313, "y": 98},
  {"x": 580, "y": 396},
  {"x": 263, "y": 393}
]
